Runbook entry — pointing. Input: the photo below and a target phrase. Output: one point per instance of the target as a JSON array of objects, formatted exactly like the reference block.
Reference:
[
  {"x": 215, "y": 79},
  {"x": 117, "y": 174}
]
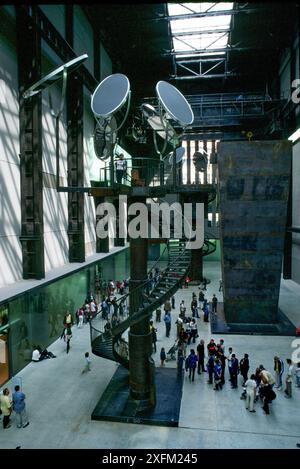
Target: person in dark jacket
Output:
[
  {"x": 244, "y": 367},
  {"x": 234, "y": 371},
  {"x": 279, "y": 369},
  {"x": 214, "y": 303},
  {"x": 180, "y": 361},
  {"x": 212, "y": 347},
  {"x": 222, "y": 359},
  {"x": 210, "y": 368},
  {"x": 153, "y": 331},
  {"x": 217, "y": 375},
  {"x": 205, "y": 310},
  {"x": 191, "y": 363},
  {"x": 201, "y": 355},
  {"x": 268, "y": 395}
]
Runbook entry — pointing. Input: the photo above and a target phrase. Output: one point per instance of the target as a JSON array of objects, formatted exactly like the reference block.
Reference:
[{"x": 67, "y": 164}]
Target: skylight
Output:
[{"x": 200, "y": 35}]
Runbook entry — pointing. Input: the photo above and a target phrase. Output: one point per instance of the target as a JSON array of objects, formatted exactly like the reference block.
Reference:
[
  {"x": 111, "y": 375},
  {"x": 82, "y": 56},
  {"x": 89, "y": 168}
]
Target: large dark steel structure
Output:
[
  {"x": 32, "y": 223},
  {"x": 254, "y": 187}
]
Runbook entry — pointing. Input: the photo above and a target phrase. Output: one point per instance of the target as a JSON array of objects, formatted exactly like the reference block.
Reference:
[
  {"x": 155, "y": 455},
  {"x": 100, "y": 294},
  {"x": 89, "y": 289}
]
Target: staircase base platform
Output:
[{"x": 115, "y": 405}]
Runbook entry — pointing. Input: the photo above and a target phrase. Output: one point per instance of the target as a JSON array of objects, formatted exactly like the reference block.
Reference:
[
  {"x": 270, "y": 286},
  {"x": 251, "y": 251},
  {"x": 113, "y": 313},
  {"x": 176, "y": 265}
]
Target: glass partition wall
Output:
[{"x": 36, "y": 316}]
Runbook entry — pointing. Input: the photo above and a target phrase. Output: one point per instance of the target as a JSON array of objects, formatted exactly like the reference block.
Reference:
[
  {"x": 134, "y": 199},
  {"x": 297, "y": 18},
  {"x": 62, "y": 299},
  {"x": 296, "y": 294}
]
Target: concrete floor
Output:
[{"x": 60, "y": 399}]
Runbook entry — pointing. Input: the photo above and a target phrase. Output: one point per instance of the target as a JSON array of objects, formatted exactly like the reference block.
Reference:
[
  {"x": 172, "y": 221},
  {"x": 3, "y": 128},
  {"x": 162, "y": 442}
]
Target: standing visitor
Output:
[
  {"x": 121, "y": 168},
  {"x": 68, "y": 337},
  {"x": 153, "y": 331},
  {"x": 298, "y": 375},
  {"x": 250, "y": 385},
  {"x": 18, "y": 401},
  {"x": 217, "y": 375},
  {"x": 279, "y": 369},
  {"x": 162, "y": 357},
  {"x": 234, "y": 371},
  {"x": 167, "y": 319},
  {"x": 191, "y": 363},
  {"x": 244, "y": 367},
  {"x": 214, "y": 303},
  {"x": 289, "y": 378},
  {"x": 201, "y": 356},
  {"x": 6, "y": 407},
  {"x": 88, "y": 362}
]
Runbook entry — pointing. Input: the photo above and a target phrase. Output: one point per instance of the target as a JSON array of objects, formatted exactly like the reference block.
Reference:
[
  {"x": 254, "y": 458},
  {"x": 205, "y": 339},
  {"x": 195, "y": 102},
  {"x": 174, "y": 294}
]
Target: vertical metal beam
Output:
[
  {"x": 102, "y": 245},
  {"x": 75, "y": 154},
  {"x": 205, "y": 172},
  {"x": 118, "y": 241},
  {"x": 213, "y": 159},
  {"x": 75, "y": 168},
  {"x": 32, "y": 225},
  {"x": 288, "y": 240},
  {"x": 188, "y": 149},
  {"x": 69, "y": 23},
  {"x": 196, "y": 172},
  {"x": 141, "y": 366}
]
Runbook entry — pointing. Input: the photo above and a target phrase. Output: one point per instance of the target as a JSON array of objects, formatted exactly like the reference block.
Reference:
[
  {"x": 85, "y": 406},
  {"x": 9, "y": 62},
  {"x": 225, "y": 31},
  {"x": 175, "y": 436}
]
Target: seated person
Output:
[{"x": 38, "y": 354}]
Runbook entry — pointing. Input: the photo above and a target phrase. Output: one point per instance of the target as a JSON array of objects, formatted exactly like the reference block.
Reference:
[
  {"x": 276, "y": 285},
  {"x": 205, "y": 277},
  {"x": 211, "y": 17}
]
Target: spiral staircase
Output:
[{"x": 110, "y": 344}]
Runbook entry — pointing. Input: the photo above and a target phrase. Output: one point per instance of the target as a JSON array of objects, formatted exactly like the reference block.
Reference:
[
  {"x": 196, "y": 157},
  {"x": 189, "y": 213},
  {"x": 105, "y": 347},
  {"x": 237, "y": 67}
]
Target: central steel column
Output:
[{"x": 141, "y": 365}]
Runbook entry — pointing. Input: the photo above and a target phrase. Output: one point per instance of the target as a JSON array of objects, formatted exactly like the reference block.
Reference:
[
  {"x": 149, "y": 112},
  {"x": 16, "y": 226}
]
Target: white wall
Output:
[
  {"x": 55, "y": 203},
  {"x": 10, "y": 192},
  {"x": 91, "y": 171}
]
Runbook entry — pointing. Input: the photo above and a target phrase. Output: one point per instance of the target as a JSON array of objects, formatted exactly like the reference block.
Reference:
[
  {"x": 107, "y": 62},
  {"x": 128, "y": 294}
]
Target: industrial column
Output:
[
  {"x": 29, "y": 71},
  {"x": 141, "y": 365}
]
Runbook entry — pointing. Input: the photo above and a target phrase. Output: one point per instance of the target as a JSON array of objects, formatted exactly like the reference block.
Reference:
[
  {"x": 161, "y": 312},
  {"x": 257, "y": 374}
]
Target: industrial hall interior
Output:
[{"x": 150, "y": 226}]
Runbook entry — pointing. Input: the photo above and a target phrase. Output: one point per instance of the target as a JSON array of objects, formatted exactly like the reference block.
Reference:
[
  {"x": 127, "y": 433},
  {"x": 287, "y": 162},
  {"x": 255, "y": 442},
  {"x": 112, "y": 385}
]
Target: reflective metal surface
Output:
[
  {"x": 174, "y": 103},
  {"x": 110, "y": 95}
]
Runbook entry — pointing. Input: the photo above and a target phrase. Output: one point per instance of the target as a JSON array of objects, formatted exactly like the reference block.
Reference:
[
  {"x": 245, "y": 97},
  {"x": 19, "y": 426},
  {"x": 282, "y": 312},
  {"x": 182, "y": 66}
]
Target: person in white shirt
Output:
[
  {"x": 88, "y": 362},
  {"x": 250, "y": 386},
  {"x": 36, "y": 356},
  {"x": 289, "y": 378},
  {"x": 80, "y": 318},
  {"x": 121, "y": 168}
]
